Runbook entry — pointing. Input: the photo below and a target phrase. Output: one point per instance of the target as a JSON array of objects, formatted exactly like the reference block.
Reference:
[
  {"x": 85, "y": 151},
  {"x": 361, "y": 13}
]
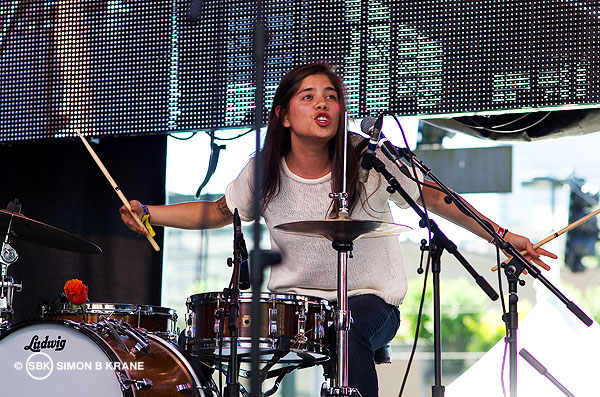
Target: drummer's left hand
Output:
[{"x": 522, "y": 243}]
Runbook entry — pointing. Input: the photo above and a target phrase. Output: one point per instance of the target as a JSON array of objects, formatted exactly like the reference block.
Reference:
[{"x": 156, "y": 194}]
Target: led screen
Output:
[{"x": 137, "y": 66}]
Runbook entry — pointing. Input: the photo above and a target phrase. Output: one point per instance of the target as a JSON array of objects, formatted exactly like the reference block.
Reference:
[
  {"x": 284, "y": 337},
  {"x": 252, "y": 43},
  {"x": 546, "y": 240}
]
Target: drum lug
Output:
[
  {"x": 301, "y": 337},
  {"x": 140, "y": 385},
  {"x": 273, "y": 322},
  {"x": 319, "y": 327},
  {"x": 218, "y": 314},
  {"x": 190, "y": 325},
  {"x": 142, "y": 344}
]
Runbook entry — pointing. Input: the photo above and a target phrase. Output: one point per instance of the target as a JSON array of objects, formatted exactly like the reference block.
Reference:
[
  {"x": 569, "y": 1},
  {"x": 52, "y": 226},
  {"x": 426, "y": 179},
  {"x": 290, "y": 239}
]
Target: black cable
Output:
[
  {"x": 232, "y": 138},
  {"x": 418, "y": 327},
  {"x": 428, "y": 226},
  {"x": 209, "y": 132},
  {"x": 183, "y": 139}
]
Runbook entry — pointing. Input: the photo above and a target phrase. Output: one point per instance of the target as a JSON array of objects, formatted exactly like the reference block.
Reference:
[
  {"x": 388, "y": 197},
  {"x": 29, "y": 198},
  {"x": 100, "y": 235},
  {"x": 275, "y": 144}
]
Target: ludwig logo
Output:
[{"x": 36, "y": 345}]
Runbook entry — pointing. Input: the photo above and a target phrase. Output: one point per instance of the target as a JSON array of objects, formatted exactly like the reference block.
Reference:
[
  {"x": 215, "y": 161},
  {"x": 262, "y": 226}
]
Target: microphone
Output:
[
  {"x": 394, "y": 154},
  {"x": 374, "y": 129},
  {"x": 240, "y": 244},
  {"x": 366, "y": 125}
]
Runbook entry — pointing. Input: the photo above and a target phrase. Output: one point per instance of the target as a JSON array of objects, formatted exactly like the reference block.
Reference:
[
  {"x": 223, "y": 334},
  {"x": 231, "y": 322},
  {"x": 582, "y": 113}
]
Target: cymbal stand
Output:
[
  {"x": 8, "y": 256},
  {"x": 343, "y": 317}
]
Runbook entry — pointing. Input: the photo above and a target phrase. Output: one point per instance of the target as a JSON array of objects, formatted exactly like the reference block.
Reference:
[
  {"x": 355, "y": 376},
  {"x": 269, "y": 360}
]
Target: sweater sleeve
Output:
[{"x": 240, "y": 193}]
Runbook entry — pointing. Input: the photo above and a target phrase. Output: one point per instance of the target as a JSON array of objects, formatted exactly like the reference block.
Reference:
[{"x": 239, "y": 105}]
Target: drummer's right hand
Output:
[{"x": 136, "y": 208}]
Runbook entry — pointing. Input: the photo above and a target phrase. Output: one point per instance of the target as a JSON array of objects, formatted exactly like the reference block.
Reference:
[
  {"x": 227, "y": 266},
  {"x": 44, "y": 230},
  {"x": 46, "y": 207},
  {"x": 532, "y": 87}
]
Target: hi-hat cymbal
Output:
[
  {"x": 27, "y": 229},
  {"x": 342, "y": 229}
]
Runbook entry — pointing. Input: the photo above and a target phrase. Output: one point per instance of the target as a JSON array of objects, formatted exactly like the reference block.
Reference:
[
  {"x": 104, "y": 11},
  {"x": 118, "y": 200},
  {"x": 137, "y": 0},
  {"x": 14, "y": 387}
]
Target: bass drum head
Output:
[{"x": 45, "y": 358}]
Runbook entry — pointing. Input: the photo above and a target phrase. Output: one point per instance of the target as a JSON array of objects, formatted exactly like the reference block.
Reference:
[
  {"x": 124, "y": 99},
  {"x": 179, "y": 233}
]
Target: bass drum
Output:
[{"x": 47, "y": 358}]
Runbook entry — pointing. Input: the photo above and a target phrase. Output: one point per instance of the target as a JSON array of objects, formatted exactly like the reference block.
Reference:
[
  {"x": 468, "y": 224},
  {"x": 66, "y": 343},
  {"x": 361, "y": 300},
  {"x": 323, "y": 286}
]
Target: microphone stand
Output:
[
  {"x": 517, "y": 264},
  {"x": 232, "y": 295},
  {"x": 512, "y": 270},
  {"x": 439, "y": 243}
]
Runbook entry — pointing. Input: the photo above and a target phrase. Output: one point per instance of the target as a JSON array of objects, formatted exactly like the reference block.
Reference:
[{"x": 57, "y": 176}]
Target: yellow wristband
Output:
[{"x": 146, "y": 222}]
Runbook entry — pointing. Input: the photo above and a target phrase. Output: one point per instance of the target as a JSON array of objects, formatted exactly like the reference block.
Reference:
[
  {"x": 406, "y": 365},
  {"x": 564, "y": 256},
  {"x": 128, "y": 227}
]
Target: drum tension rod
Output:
[{"x": 140, "y": 385}]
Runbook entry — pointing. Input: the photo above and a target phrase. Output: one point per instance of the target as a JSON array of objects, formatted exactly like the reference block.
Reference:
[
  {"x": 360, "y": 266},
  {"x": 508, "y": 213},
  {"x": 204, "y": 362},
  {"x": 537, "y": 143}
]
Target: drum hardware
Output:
[
  {"x": 160, "y": 321},
  {"x": 142, "y": 344},
  {"x": 232, "y": 294},
  {"x": 8, "y": 256},
  {"x": 118, "y": 328},
  {"x": 140, "y": 385},
  {"x": 342, "y": 231},
  {"x": 108, "y": 324},
  {"x": 266, "y": 372},
  {"x": 113, "y": 371},
  {"x": 301, "y": 337},
  {"x": 273, "y": 321}
]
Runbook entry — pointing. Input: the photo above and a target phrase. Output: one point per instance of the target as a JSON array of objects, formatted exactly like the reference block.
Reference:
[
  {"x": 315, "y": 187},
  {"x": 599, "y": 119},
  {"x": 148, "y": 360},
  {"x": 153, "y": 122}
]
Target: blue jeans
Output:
[{"x": 375, "y": 323}]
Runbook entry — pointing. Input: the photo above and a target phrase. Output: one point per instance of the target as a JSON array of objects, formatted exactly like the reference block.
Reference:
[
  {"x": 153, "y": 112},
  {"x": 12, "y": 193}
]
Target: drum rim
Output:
[
  {"x": 104, "y": 307},
  {"x": 265, "y": 297}
]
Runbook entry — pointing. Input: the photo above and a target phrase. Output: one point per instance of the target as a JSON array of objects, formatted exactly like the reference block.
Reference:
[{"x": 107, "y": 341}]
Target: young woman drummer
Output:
[{"x": 303, "y": 158}]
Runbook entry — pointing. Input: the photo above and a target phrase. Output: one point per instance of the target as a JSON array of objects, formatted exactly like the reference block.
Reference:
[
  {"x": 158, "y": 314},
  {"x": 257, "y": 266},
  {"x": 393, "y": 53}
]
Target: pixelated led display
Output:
[{"x": 138, "y": 66}]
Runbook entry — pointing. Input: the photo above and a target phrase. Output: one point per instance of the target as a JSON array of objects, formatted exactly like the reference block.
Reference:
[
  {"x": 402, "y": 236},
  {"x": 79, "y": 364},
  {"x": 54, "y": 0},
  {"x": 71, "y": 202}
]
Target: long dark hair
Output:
[{"x": 278, "y": 142}]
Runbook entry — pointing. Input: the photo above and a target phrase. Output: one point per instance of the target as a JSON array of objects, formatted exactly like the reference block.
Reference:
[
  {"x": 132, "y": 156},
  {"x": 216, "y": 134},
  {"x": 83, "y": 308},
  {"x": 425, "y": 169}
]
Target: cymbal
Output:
[
  {"x": 27, "y": 229},
  {"x": 342, "y": 229}
]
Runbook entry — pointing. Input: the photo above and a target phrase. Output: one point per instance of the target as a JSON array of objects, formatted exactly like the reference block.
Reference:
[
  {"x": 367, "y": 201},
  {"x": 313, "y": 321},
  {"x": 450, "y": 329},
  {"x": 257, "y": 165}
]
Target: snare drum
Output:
[
  {"x": 303, "y": 319},
  {"x": 46, "y": 358},
  {"x": 152, "y": 318}
]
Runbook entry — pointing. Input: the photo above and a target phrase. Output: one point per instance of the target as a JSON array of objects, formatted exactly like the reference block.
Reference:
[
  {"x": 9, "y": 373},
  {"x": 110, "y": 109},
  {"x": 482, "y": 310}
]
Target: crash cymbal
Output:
[
  {"x": 342, "y": 229},
  {"x": 26, "y": 229}
]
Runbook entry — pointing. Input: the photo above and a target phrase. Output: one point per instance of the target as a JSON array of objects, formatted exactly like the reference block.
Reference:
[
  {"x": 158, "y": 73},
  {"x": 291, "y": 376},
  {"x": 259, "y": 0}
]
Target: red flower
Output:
[{"x": 76, "y": 291}]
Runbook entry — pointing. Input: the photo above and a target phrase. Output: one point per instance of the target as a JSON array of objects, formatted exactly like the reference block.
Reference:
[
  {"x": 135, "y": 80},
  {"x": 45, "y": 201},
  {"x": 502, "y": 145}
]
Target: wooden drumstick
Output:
[
  {"x": 117, "y": 189},
  {"x": 560, "y": 232}
]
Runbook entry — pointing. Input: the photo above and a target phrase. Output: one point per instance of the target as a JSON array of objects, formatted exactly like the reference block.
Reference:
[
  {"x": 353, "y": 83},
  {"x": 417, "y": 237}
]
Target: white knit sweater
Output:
[{"x": 309, "y": 264}]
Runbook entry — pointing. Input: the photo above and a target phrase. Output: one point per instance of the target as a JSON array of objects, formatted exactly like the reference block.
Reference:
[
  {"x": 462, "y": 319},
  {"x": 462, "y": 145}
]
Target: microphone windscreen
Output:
[{"x": 366, "y": 125}]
